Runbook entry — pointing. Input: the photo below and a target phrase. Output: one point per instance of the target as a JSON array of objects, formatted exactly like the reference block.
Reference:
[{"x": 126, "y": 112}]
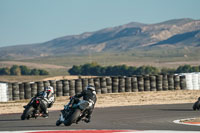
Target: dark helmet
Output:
[{"x": 90, "y": 87}]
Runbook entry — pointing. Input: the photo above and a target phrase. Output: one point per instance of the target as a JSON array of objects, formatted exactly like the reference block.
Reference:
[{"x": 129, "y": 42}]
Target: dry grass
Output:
[
  {"x": 117, "y": 99},
  {"x": 37, "y": 78},
  {"x": 29, "y": 64}
]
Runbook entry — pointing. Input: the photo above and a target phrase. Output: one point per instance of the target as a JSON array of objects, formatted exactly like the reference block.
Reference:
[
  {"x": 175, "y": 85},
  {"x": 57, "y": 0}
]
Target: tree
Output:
[
  {"x": 75, "y": 70},
  {"x": 4, "y": 71},
  {"x": 184, "y": 69},
  {"x": 35, "y": 72},
  {"x": 25, "y": 70},
  {"x": 43, "y": 72},
  {"x": 15, "y": 70}
]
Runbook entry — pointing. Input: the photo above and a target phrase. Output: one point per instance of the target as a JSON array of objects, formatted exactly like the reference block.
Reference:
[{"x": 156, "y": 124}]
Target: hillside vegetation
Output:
[{"x": 172, "y": 34}]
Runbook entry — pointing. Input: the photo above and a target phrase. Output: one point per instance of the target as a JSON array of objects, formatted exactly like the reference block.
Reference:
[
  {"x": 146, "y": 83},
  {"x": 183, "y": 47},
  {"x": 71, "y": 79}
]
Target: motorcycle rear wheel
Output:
[
  {"x": 72, "y": 118},
  {"x": 27, "y": 112}
]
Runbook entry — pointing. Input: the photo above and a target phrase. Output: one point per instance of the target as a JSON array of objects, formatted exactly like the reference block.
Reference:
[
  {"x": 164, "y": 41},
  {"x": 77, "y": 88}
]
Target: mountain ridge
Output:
[{"x": 114, "y": 39}]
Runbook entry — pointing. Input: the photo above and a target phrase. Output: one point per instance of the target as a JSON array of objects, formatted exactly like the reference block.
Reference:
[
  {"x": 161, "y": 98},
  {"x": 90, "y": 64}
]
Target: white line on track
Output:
[{"x": 181, "y": 122}]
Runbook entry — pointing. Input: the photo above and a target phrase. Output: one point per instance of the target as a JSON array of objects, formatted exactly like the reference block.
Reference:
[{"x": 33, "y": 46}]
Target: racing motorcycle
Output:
[
  {"x": 32, "y": 109},
  {"x": 73, "y": 112},
  {"x": 196, "y": 105}
]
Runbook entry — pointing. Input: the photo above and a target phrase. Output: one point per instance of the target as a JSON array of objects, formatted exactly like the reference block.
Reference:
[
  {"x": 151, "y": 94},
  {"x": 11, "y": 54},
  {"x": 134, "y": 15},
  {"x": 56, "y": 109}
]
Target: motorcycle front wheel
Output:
[
  {"x": 72, "y": 118},
  {"x": 58, "y": 122},
  {"x": 27, "y": 112}
]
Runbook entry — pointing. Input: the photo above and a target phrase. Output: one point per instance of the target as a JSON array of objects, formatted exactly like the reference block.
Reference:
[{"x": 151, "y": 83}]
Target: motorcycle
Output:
[
  {"x": 32, "y": 109},
  {"x": 196, "y": 105},
  {"x": 73, "y": 112}
]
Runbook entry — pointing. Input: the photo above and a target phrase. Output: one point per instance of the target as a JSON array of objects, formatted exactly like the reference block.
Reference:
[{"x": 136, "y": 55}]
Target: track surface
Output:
[{"x": 148, "y": 117}]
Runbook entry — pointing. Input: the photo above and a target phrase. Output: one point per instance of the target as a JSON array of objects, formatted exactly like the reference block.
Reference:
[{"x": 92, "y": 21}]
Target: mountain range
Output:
[{"x": 132, "y": 36}]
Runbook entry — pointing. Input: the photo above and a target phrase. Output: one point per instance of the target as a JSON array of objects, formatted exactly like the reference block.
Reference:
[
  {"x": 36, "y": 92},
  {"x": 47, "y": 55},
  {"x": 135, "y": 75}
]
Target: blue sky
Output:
[{"x": 35, "y": 21}]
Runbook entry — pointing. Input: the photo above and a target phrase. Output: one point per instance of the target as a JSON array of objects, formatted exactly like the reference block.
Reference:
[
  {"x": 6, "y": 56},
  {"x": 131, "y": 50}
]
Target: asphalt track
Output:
[{"x": 148, "y": 117}]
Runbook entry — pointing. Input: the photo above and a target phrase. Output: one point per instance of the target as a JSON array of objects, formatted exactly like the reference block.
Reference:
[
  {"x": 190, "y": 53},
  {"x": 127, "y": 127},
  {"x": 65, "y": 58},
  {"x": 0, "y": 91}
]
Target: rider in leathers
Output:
[
  {"x": 47, "y": 101},
  {"x": 89, "y": 95}
]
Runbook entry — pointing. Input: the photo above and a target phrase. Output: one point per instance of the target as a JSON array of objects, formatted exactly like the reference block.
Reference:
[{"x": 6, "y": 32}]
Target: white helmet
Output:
[
  {"x": 49, "y": 88},
  {"x": 90, "y": 87}
]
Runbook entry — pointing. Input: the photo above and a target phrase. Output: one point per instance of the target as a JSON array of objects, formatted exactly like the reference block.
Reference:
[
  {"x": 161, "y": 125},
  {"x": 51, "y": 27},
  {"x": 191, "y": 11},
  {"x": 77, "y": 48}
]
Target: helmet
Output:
[
  {"x": 48, "y": 88},
  {"x": 90, "y": 87}
]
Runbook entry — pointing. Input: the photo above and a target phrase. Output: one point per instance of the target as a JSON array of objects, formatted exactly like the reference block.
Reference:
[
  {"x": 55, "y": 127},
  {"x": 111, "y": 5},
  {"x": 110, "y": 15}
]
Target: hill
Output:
[{"x": 129, "y": 37}]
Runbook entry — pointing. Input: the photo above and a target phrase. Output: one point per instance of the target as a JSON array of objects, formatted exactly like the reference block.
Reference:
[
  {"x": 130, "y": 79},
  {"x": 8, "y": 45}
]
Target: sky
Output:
[{"x": 36, "y": 21}]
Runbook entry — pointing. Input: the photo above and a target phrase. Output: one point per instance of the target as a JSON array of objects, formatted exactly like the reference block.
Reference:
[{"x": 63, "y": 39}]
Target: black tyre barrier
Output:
[
  {"x": 53, "y": 84},
  {"x": 21, "y": 91},
  {"x": 147, "y": 83},
  {"x": 140, "y": 83},
  {"x": 109, "y": 84},
  {"x": 46, "y": 83},
  {"x": 78, "y": 86},
  {"x": 121, "y": 84},
  {"x": 170, "y": 82},
  {"x": 15, "y": 91},
  {"x": 84, "y": 83},
  {"x": 165, "y": 83},
  {"x": 177, "y": 82},
  {"x": 134, "y": 84},
  {"x": 97, "y": 85},
  {"x": 115, "y": 84},
  {"x": 33, "y": 89},
  {"x": 153, "y": 83},
  {"x": 72, "y": 87},
  {"x": 59, "y": 88},
  {"x": 40, "y": 86},
  {"x": 27, "y": 90},
  {"x": 90, "y": 82},
  {"x": 103, "y": 86},
  {"x": 159, "y": 79},
  {"x": 65, "y": 87},
  {"x": 128, "y": 87},
  {"x": 10, "y": 91},
  {"x": 182, "y": 82}
]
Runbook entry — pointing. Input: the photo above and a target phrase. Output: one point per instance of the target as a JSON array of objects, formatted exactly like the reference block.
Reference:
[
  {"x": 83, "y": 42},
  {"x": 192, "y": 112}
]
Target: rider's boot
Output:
[{"x": 88, "y": 119}]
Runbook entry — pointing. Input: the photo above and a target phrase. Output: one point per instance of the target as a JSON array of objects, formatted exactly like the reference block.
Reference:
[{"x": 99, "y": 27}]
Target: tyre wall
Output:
[{"x": 103, "y": 85}]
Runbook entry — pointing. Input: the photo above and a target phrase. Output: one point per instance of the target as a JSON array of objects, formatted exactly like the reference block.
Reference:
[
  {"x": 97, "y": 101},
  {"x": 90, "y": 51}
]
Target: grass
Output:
[
  {"x": 168, "y": 54},
  {"x": 137, "y": 57}
]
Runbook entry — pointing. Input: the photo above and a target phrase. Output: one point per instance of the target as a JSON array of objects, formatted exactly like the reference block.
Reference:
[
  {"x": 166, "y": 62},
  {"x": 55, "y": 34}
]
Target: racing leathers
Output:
[
  {"x": 47, "y": 101},
  {"x": 90, "y": 96}
]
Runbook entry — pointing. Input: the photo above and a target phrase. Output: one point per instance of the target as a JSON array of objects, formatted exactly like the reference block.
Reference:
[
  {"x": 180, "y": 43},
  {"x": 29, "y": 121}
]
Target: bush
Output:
[
  {"x": 22, "y": 70},
  {"x": 123, "y": 70}
]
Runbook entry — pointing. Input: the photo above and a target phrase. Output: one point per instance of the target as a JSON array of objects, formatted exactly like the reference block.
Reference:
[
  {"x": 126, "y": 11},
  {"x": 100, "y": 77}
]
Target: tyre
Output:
[
  {"x": 72, "y": 118},
  {"x": 58, "y": 122},
  {"x": 27, "y": 112},
  {"x": 196, "y": 105}
]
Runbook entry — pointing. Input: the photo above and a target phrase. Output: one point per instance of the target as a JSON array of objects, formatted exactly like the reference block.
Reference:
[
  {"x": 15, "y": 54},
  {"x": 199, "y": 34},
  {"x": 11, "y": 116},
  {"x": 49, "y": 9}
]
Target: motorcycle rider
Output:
[
  {"x": 47, "y": 100},
  {"x": 89, "y": 95}
]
